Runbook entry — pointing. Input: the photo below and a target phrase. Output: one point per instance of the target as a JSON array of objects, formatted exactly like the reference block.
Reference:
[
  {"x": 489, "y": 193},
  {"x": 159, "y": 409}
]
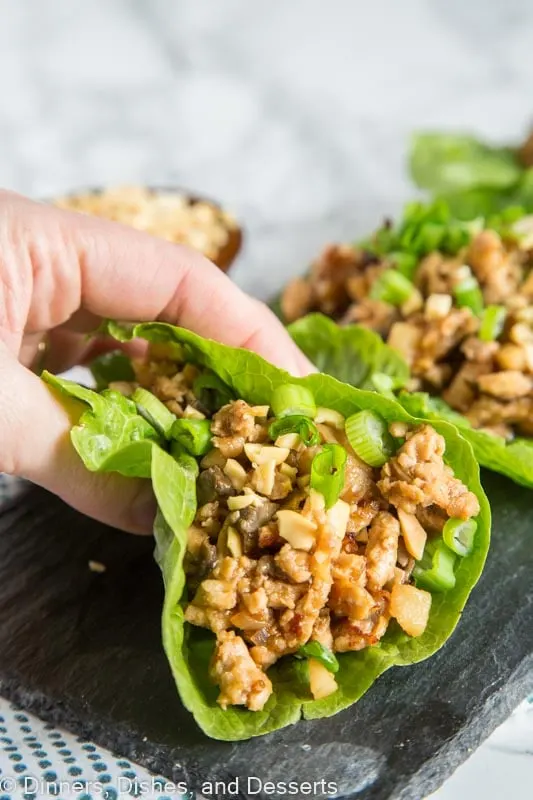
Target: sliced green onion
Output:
[
  {"x": 435, "y": 570},
  {"x": 392, "y": 287},
  {"x": 291, "y": 400},
  {"x": 492, "y": 322},
  {"x": 327, "y": 472},
  {"x": 320, "y": 653},
  {"x": 193, "y": 434},
  {"x": 458, "y": 535},
  {"x": 382, "y": 383},
  {"x": 303, "y": 426},
  {"x": 109, "y": 367},
  {"x": 211, "y": 391},
  {"x": 368, "y": 435},
  {"x": 468, "y": 294},
  {"x": 405, "y": 264},
  {"x": 154, "y": 411}
]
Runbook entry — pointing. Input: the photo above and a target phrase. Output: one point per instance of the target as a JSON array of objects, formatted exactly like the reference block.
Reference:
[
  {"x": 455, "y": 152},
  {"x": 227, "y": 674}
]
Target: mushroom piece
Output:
[
  {"x": 213, "y": 483},
  {"x": 251, "y": 519}
]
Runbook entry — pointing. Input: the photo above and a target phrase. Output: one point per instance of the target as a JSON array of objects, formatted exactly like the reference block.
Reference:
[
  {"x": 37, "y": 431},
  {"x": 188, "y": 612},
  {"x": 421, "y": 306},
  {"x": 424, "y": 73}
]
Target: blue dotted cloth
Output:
[{"x": 38, "y": 761}]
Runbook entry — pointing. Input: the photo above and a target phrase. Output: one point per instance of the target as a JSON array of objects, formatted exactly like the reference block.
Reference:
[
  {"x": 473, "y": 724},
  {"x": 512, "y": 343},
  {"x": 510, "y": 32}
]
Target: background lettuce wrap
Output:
[
  {"x": 112, "y": 436},
  {"x": 464, "y": 289}
]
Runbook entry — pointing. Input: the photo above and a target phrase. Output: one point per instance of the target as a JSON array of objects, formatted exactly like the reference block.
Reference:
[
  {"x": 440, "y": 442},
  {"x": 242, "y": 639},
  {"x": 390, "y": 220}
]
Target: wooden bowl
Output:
[{"x": 127, "y": 205}]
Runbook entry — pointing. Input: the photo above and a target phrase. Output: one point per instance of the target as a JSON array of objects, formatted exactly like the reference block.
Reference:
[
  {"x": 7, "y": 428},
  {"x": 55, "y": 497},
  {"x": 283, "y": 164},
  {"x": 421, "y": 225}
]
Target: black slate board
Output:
[{"x": 83, "y": 650}]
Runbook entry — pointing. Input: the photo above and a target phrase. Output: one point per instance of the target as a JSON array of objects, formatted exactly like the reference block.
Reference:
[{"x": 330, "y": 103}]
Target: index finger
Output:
[{"x": 110, "y": 270}]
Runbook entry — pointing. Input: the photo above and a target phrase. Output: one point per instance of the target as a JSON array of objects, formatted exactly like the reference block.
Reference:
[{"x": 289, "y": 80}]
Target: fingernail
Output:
[
  {"x": 306, "y": 366},
  {"x": 302, "y": 365}
]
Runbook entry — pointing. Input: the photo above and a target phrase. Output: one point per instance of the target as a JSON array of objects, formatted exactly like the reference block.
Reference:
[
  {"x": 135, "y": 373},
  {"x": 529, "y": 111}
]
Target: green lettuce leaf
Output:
[
  {"x": 352, "y": 354},
  {"x": 472, "y": 178},
  {"x": 111, "y": 436},
  {"x": 188, "y": 648},
  {"x": 444, "y": 162},
  {"x": 513, "y": 459},
  {"x": 114, "y": 366}
]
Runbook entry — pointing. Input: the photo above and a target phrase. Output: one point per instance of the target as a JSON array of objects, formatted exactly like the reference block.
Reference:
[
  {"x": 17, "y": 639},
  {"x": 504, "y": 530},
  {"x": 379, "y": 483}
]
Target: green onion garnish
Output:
[
  {"x": 368, "y": 435},
  {"x": 392, "y": 287},
  {"x": 303, "y": 426},
  {"x": 468, "y": 294},
  {"x": 383, "y": 383},
  {"x": 327, "y": 472},
  {"x": 211, "y": 391},
  {"x": 405, "y": 264},
  {"x": 109, "y": 367},
  {"x": 154, "y": 411},
  {"x": 320, "y": 653},
  {"x": 435, "y": 570},
  {"x": 492, "y": 322},
  {"x": 458, "y": 535},
  {"x": 193, "y": 434},
  {"x": 290, "y": 400}
]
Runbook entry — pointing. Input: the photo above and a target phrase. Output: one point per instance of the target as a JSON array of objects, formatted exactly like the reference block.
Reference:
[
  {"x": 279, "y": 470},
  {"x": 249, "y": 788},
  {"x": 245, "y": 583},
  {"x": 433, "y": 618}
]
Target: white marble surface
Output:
[{"x": 296, "y": 113}]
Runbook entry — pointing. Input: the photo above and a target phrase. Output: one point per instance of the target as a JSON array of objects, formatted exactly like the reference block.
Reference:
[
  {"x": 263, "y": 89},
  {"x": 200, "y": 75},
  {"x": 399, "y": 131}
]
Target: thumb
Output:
[{"x": 36, "y": 445}]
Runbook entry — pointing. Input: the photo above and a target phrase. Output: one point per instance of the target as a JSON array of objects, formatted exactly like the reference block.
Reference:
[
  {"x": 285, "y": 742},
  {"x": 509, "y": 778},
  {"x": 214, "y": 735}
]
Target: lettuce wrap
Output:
[
  {"x": 121, "y": 434},
  {"x": 451, "y": 303}
]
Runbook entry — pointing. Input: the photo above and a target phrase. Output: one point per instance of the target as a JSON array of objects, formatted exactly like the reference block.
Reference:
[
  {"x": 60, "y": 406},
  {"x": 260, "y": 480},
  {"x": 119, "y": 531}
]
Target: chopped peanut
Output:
[
  {"x": 297, "y": 530},
  {"x": 260, "y": 454},
  {"x": 330, "y": 417},
  {"x": 413, "y": 534}
]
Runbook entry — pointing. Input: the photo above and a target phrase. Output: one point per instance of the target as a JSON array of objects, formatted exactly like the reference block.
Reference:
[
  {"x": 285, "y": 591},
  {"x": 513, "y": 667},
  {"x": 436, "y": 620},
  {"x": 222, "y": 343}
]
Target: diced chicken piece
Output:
[
  {"x": 293, "y": 563},
  {"x": 511, "y": 357},
  {"x": 322, "y": 629},
  {"x": 216, "y": 594},
  {"x": 232, "y": 426},
  {"x": 506, "y": 385},
  {"x": 462, "y": 391},
  {"x": 475, "y": 349},
  {"x": 405, "y": 338},
  {"x": 417, "y": 476},
  {"x": 382, "y": 550},
  {"x": 358, "y": 480},
  {"x": 348, "y": 597},
  {"x": 241, "y": 681},
  {"x": 485, "y": 254}
]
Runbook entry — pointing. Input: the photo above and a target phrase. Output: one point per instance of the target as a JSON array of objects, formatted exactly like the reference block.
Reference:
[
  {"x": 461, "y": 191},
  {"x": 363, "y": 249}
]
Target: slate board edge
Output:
[
  {"x": 155, "y": 758},
  {"x": 434, "y": 772}
]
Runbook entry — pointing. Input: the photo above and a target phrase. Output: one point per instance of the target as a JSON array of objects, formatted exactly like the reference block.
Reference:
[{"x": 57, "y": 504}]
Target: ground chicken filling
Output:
[
  {"x": 270, "y": 568},
  {"x": 488, "y": 379}
]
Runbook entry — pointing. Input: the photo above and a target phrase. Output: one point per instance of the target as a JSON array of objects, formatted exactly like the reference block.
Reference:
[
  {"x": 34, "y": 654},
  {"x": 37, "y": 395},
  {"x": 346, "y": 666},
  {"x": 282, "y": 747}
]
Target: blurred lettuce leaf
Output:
[
  {"x": 352, "y": 354},
  {"x": 446, "y": 162}
]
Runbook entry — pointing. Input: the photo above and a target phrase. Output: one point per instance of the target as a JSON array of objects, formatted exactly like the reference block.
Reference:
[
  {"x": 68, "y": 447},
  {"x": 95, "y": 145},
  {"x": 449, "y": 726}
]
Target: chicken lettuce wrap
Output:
[
  {"x": 454, "y": 300},
  {"x": 310, "y": 534}
]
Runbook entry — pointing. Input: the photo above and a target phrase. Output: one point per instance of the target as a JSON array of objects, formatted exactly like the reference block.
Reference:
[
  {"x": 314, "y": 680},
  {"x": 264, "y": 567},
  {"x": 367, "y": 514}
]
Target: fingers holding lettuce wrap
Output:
[{"x": 311, "y": 535}]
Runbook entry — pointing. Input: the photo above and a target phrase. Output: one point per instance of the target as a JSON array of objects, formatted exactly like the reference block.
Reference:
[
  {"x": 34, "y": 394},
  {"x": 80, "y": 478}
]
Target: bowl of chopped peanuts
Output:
[{"x": 170, "y": 213}]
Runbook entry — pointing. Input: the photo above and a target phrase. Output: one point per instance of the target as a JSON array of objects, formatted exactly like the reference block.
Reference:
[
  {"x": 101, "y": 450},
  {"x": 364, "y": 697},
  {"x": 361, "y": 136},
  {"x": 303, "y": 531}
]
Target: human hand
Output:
[{"x": 59, "y": 274}]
